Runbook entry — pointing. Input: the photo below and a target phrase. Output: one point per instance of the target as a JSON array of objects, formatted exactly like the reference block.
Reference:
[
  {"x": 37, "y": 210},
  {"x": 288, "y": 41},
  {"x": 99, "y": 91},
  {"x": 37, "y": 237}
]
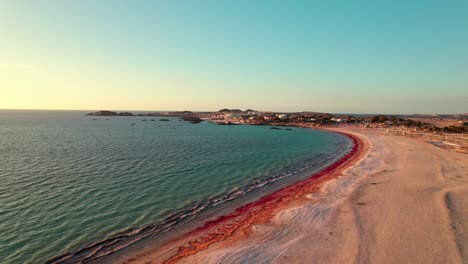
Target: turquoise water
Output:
[{"x": 68, "y": 180}]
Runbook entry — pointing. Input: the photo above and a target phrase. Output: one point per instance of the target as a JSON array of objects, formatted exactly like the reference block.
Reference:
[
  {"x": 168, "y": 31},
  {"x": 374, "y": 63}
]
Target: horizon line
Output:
[{"x": 303, "y": 111}]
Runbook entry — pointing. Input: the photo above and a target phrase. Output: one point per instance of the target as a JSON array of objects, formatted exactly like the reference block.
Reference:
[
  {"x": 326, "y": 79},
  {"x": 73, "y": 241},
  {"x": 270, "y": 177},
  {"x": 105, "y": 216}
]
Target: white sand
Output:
[{"x": 407, "y": 202}]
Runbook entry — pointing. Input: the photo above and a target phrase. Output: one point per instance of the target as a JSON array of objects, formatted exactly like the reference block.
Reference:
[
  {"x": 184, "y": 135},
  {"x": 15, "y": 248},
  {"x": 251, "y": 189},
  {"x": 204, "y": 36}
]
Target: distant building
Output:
[
  {"x": 282, "y": 116},
  {"x": 338, "y": 120}
]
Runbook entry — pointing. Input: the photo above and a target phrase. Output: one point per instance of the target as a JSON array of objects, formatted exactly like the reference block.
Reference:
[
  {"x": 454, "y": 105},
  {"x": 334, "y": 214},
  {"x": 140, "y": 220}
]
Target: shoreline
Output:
[
  {"x": 405, "y": 202},
  {"x": 238, "y": 225},
  {"x": 125, "y": 243}
]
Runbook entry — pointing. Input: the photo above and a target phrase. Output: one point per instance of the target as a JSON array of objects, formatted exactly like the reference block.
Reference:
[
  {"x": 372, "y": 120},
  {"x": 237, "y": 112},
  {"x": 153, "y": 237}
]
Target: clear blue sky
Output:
[{"x": 337, "y": 56}]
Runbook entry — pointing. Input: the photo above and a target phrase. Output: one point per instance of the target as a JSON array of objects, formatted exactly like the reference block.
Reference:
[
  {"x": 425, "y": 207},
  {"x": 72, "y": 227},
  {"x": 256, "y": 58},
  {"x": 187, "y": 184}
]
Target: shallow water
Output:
[{"x": 68, "y": 180}]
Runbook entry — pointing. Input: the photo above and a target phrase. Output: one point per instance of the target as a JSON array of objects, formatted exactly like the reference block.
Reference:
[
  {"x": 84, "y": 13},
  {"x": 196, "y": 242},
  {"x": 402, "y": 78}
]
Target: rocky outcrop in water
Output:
[
  {"x": 185, "y": 115},
  {"x": 192, "y": 119},
  {"x": 110, "y": 113}
]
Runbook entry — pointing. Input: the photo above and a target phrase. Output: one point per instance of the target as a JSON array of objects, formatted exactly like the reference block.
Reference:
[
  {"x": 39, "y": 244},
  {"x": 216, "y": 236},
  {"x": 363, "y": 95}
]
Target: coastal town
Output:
[
  {"x": 444, "y": 131},
  {"x": 423, "y": 123}
]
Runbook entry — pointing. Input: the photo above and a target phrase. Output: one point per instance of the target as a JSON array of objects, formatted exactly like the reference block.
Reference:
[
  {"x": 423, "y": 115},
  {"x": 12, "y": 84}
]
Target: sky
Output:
[{"x": 363, "y": 56}]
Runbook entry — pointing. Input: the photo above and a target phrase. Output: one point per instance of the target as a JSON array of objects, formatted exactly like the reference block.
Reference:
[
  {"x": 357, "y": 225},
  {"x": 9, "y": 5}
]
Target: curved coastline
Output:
[
  {"x": 99, "y": 251},
  {"x": 238, "y": 224}
]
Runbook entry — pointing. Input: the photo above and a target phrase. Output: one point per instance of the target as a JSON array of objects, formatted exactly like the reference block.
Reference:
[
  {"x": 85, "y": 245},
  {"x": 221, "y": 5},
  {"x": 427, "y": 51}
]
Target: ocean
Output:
[{"x": 68, "y": 181}]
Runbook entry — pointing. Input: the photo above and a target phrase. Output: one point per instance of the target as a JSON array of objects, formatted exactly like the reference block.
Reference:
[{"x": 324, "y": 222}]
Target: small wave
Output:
[{"x": 124, "y": 239}]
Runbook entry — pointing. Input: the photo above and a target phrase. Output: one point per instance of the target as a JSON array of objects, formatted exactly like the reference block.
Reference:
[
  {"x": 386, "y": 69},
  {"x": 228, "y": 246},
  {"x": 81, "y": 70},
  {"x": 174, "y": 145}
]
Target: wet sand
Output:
[{"x": 396, "y": 200}]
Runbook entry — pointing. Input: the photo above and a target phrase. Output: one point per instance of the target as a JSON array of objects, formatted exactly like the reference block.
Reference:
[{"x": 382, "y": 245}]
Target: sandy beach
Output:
[{"x": 394, "y": 200}]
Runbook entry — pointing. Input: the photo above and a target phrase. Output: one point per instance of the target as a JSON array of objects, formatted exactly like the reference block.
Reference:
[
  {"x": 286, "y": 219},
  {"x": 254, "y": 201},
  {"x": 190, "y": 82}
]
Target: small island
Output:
[
  {"x": 110, "y": 113},
  {"x": 192, "y": 119}
]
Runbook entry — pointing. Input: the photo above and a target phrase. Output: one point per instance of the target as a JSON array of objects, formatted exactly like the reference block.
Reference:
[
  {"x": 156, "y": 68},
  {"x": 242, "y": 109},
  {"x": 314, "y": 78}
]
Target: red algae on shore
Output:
[{"x": 238, "y": 224}]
